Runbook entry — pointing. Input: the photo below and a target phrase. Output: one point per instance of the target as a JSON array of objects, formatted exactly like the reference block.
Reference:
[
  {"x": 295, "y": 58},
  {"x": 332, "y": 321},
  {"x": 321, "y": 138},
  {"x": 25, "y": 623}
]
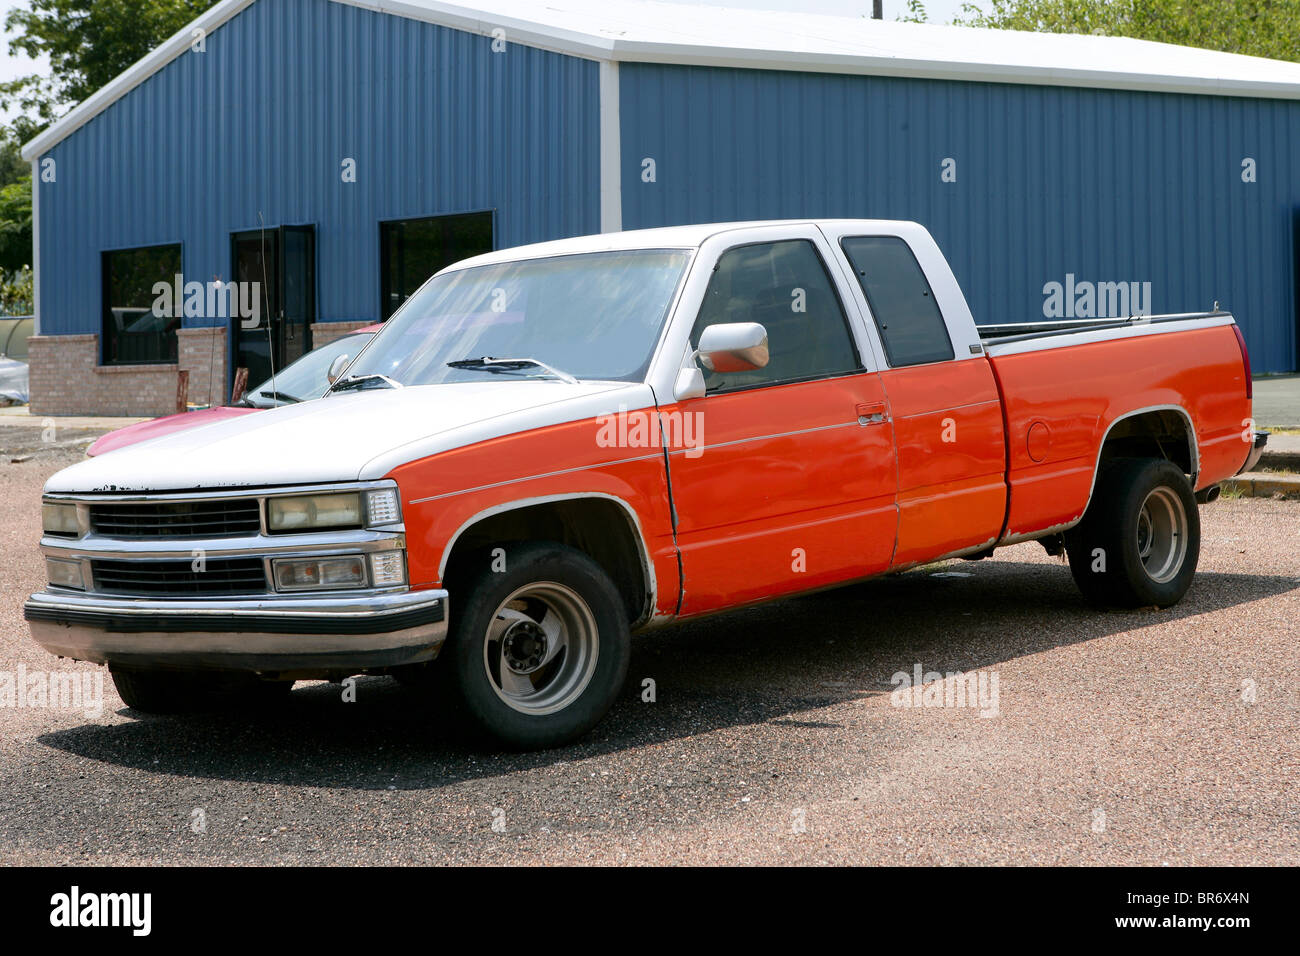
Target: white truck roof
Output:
[{"x": 665, "y": 237}]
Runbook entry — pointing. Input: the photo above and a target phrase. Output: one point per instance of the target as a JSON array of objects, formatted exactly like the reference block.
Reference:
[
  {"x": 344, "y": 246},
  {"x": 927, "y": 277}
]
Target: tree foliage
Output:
[
  {"x": 16, "y": 296},
  {"x": 1267, "y": 28},
  {"x": 16, "y": 225}
]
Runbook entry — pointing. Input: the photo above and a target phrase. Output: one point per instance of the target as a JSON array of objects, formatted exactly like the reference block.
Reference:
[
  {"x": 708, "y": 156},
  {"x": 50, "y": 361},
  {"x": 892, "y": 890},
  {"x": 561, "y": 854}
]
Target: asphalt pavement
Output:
[{"x": 773, "y": 735}]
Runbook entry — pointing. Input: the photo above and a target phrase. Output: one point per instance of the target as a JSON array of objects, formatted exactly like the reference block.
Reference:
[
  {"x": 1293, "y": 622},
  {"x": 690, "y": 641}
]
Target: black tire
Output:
[
  {"x": 1137, "y": 503},
  {"x": 180, "y": 692},
  {"x": 472, "y": 658}
]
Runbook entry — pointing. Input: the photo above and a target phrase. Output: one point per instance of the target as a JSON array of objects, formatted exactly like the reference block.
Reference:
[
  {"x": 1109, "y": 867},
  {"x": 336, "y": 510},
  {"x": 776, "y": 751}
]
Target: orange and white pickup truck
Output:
[{"x": 551, "y": 447}]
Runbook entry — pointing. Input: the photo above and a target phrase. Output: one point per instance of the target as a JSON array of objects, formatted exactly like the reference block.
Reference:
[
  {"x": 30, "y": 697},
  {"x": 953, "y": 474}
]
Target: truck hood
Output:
[
  {"x": 157, "y": 427},
  {"x": 346, "y": 436}
]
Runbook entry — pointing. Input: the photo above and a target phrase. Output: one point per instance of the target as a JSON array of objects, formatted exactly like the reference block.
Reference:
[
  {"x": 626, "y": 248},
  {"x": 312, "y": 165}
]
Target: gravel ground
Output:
[{"x": 1147, "y": 737}]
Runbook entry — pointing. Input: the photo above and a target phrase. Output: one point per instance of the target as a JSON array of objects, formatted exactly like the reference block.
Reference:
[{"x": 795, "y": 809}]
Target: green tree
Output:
[
  {"x": 16, "y": 225},
  {"x": 1268, "y": 28},
  {"x": 915, "y": 13},
  {"x": 12, "y": 165},
  {"x": 16, "y": 292}
]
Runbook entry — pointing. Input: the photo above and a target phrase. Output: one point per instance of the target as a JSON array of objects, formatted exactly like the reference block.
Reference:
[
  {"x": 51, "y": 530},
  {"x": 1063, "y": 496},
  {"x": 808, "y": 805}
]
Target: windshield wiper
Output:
[
  {"x": 489, "y": 364},
  {"x": 279, "y": 396},
  {"x": 363, "y": 381}
]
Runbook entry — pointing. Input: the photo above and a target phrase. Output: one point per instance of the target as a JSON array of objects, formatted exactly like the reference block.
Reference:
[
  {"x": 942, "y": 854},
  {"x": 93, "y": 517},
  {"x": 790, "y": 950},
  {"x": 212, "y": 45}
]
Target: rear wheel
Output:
[
  {"x": 1140, "y": 539},
  {"x": 537, "y": 653}
]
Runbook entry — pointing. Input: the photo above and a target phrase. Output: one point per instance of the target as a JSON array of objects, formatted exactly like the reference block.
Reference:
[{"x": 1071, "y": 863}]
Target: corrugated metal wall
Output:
[
  {"x": 260, "y": 122},
  {"x": 1106, "y": 185}
]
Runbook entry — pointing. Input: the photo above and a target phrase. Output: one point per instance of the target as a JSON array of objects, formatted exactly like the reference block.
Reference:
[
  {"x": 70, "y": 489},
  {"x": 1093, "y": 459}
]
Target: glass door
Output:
[{"x": 282, "y": 261}]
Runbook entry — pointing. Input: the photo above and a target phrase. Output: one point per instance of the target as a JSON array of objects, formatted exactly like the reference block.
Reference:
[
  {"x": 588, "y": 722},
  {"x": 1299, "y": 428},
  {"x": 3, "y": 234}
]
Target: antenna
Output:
[{"x": 270, "y": 346}]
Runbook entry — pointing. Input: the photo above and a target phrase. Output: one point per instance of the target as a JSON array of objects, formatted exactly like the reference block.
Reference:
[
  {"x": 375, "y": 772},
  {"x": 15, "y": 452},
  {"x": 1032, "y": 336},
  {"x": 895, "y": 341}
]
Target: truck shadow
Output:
[{"x": 771, "y": 663}]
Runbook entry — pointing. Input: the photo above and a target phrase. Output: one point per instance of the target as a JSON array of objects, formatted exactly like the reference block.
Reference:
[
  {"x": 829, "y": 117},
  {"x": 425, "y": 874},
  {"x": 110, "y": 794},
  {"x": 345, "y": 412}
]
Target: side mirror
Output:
[
  {"x": 336, "y": 368},
  {"x": 689, "y": 384},
  {"x": 733, "y": 347}
]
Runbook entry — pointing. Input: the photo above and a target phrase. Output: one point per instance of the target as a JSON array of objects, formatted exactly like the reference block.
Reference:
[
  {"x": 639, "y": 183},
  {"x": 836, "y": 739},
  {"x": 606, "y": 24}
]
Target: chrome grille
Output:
[
  {"x": 212, "y": 518},
  {"x": 219, "y": 576}
]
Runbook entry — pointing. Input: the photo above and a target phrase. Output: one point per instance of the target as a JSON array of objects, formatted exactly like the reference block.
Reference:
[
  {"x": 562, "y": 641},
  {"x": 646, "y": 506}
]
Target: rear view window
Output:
[{"x": 901, "y": 300}]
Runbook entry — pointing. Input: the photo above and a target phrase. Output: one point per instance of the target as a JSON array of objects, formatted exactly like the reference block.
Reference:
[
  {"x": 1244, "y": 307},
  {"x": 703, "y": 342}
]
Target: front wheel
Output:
[
  {"x": 1140, "y": 539},
  {"x": 537, "y": 652}
]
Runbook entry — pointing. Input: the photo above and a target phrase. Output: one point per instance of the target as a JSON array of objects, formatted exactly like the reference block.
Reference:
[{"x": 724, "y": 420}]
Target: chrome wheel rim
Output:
[
  {"x": 1162, "y": 535},
  {"x": 541, "y": 648}
]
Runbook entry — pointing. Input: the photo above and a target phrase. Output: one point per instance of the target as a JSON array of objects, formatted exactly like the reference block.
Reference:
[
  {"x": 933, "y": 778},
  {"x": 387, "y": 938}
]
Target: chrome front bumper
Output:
[{"x": 319, "y": 634}]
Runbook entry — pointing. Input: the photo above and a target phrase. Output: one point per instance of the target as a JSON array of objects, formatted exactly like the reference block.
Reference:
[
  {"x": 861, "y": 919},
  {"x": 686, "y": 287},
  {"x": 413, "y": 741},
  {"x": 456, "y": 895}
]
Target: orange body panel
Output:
[
  {"x": 790, "y": 493},
  {"x": 1077, "y": 392},
  {"x": 951, "y": 458},
  {"x": 795, "y": 487},
  {"x": 560, "y": 460}
]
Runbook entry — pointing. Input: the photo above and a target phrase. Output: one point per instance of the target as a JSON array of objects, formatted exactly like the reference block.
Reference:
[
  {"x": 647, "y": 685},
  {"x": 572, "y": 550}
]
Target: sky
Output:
[{"x": 12, "y": 65}]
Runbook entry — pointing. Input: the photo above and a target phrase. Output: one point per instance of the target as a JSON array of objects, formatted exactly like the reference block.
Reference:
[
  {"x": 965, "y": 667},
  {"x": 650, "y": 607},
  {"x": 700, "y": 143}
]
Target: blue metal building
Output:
[{"x": 341, "y": 150}]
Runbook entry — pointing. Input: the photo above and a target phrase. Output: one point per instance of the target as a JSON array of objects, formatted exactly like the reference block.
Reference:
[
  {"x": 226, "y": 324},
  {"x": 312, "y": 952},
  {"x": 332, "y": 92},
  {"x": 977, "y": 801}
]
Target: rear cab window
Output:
[{"x": 911, "y": 326}]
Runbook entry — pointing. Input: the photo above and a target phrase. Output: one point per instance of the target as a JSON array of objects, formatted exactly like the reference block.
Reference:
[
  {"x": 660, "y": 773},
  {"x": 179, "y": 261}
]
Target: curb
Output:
[
  {"x": 1279, "y": 460},
  {"x": 1254, "y": 484}
]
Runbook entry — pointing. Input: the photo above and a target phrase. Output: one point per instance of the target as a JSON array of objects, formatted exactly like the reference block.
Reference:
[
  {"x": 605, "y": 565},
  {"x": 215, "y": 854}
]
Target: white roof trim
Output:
[{"x": 660, "y": 32}]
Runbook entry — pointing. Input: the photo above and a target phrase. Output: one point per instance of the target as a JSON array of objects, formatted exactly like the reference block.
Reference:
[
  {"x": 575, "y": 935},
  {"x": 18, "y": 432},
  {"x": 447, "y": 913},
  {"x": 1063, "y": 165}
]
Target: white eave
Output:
[{"x": 651, "y": 31}]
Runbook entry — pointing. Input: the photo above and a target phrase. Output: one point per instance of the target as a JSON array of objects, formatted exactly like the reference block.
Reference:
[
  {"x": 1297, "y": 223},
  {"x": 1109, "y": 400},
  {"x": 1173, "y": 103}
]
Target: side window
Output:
[
  {"x": 134, "y": 333},
  {"x": 910, "y": 323},
  {"x": 784, "y": 287}
]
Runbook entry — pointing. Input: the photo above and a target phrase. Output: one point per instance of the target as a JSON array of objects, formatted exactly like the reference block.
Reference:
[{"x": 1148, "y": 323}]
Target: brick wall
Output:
[
  {"x": 67, "y": 379},
  {"x": 203, "y": 352},
  {"x": 322, "y": 333}
]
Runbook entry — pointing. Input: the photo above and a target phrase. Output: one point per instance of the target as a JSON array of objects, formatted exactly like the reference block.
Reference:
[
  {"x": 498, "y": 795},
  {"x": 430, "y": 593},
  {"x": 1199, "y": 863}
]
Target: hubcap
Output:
[
  {"x": 541, "y": 648},
  {"x": 1162, "y": 535}
]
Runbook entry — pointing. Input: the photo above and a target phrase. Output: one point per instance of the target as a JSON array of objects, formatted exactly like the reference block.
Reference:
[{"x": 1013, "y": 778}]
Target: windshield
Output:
[
  {"x": 304, "y": 379},
  {"x": 593, "y": 316}
]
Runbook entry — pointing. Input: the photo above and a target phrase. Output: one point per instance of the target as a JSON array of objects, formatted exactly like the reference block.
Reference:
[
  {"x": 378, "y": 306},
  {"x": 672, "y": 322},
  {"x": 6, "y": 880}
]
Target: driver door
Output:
[{"x": 791, "y": 486}]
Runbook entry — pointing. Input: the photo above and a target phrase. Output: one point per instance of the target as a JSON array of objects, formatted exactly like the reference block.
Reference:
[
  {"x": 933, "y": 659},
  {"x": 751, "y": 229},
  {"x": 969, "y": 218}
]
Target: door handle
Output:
[{"x": 871, "y": 414}]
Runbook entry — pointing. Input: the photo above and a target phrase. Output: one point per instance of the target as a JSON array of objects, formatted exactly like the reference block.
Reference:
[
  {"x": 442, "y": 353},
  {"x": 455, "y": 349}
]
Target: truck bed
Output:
[{"x": 1025, "y": 331}]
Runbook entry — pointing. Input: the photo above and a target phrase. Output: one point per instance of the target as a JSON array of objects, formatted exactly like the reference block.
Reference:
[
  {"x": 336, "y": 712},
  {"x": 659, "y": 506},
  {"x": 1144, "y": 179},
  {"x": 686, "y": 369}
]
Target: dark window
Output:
[
  {"x": 784, "y": 287},
  {"x": 901, "y": 300},
  {"x": 280, "y": 264},
  {"x": 411, "y": 250},
  {"x": 133, "y": 333}
]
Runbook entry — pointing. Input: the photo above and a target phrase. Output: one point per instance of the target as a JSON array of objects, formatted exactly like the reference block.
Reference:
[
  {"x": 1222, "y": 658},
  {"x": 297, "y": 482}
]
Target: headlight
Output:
[
  {"x": 64, "y": 574},
  {"x": 332, "y": 510},
  {"x": 304, "y": 574},
  {"x": 59, "y": 519}
]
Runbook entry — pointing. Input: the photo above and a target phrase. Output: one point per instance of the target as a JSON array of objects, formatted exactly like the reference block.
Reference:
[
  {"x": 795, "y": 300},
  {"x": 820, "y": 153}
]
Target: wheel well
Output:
[
  {"x": 1163, "y": 433},
  {"x": 600, "y": 527}
]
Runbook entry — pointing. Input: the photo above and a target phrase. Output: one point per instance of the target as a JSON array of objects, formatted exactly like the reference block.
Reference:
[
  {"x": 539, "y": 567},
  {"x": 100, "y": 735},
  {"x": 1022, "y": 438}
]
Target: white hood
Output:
[{"x": 346, "y": 436}]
